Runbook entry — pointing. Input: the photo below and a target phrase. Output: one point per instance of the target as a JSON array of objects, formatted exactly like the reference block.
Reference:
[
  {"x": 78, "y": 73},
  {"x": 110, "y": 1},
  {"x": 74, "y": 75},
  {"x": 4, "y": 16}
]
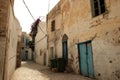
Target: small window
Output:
[
  {"x": 22, "y": 39},
  {"x": 98, "y": 7},
  {"x": 53, "y": 25}
]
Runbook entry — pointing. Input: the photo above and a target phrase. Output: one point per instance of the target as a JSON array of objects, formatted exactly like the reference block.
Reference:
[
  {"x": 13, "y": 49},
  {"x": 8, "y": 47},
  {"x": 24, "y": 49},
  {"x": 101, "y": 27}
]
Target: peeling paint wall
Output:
[
  {"x": 41, "y": 45},
  {"x": 104, "y": 30}
]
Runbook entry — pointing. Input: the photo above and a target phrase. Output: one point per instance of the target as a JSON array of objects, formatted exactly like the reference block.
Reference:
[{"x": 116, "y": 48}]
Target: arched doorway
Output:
[{"x": 65, "y": 48}]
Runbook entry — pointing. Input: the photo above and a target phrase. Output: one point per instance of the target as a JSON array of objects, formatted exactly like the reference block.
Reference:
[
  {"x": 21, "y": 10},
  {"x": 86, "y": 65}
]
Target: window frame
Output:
[
  {"x": 52, "y": 25},
  {"x": 94, "y": 14}
]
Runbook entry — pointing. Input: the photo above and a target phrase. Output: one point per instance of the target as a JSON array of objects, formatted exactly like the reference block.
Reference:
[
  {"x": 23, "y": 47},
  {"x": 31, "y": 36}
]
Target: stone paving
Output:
[{"x": 32, "y": 71}]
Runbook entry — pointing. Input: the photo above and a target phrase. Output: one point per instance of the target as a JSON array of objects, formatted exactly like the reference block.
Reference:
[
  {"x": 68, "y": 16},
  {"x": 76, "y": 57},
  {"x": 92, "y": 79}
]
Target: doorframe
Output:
[
  {"x": 79, "y": 58},
  {"x": 65, "y": 40}
]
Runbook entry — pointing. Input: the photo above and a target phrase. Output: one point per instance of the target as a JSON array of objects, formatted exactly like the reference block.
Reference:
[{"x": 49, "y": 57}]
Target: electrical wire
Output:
[
  {"x": 41, "y": 39},
  {"x": 41, "y": 29},
  {"x": 48, "y": 5},
  {"x": 28, "y": 10},
  {"x": 33, "y": 17}
]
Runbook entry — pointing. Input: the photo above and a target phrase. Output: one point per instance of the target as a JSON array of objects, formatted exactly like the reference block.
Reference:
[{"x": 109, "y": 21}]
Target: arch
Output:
[{"x": 65, "y": 38}]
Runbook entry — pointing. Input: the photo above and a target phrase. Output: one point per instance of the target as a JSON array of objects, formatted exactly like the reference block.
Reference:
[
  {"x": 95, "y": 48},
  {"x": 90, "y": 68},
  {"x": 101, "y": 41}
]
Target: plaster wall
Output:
[
  {"x": 41, "y": 45},
  {"x": 8, "y": 39},
  {"x": 77, "y": 23}
]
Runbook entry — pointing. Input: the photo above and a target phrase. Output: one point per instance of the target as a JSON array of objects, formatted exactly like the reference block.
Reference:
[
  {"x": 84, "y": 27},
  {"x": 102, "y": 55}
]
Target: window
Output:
[
  {"x": 98, "y": 7},
  {"x": 40, "y": 52},
  {"x": 53, "y": 25},
  {"x": 22, "y": 39}
]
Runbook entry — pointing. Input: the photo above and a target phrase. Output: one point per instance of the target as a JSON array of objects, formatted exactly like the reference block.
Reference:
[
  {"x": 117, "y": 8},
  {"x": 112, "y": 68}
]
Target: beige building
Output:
[
  {"x": 41, "y": 45},
  {"x": 87, "y": 34},
  {"x": 8, "y": 39}
]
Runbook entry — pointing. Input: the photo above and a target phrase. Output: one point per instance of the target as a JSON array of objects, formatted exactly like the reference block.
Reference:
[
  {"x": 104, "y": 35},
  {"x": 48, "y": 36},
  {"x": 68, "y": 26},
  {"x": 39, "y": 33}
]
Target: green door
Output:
[{"x": 86, "y": 59}]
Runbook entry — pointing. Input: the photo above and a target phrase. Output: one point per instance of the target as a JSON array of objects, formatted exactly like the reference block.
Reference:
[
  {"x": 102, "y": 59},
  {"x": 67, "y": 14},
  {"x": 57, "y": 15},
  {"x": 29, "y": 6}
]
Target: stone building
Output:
[
  {"x": 86, "y": 33},
  {"x": 41, "y": 44},
  {"x": 26, "y": 51},
  {"x": 8, "y": 39}
]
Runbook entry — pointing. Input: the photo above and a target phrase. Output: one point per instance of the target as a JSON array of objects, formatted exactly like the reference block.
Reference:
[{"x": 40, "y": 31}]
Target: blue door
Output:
[
  {"x": 86, "y": 59},
  {"x": 65, "y": 51},
  {"x": 90, "y": 60},
  {"x": 83, "y": 59}
]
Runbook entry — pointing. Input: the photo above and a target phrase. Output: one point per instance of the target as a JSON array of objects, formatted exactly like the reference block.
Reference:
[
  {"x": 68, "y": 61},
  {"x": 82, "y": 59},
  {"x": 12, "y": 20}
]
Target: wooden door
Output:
[
  {"x": 86, "y": 59},
  {"x": 90, "y": 60},
  {"x": 83, "y": 59}
]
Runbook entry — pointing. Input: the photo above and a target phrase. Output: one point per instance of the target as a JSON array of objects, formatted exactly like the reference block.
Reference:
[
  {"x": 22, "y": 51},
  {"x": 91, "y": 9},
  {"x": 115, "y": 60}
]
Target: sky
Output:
[{"x": 37, "y": 8}]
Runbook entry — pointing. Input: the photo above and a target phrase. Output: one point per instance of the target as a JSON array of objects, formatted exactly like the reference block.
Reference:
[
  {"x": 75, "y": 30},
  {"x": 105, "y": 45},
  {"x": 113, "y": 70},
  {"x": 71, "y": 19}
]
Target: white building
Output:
[{"x": 41, "y": 44}]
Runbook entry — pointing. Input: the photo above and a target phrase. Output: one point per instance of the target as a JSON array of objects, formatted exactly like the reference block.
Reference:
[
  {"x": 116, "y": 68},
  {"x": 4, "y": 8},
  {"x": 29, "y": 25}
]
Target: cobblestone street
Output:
[{"x": 32, "y": 71}]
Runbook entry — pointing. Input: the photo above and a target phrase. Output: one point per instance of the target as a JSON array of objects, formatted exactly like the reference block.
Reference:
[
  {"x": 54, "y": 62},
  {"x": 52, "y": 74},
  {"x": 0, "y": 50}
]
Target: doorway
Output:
[
  {"x": 86, "y": 59},
  {"x": 65, "y": 48},
  {"x": 44, "y": 59}
]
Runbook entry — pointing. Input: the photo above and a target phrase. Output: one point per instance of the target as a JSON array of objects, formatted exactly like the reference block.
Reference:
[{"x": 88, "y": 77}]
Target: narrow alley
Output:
[
  {"x": 59, "y": 40},
  {"x": 32, "y": 71}
]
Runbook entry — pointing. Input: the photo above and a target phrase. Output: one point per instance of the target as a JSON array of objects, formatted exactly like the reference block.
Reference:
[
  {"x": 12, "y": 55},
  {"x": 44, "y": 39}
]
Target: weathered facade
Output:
[
  {"x": 41, "y": 45},
  {"x": 8, "y": 39},
  {"x": 87, "y": 36},
  {"x": 54, "y": 41}
]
